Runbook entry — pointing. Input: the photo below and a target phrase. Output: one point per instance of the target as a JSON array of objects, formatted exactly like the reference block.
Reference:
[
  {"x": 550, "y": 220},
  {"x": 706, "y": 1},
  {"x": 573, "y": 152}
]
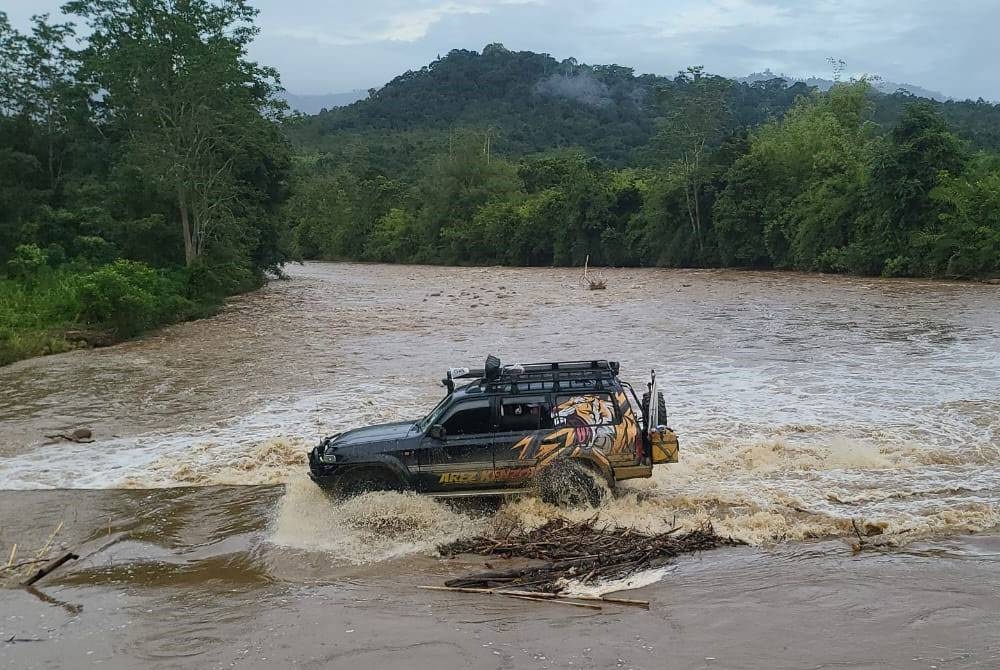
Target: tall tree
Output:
[
  {"x": 198, "y": 113},
  {"x": 455, "y": 185},
  {"x": 696, "y": 115},
  {"x": 42, "y": 117},
  {"x": 39, "y": 85},
  {"x": 967, "y": 241},
  {"x": 791, "y": 200},
  {"x": 919, "y": 150}
]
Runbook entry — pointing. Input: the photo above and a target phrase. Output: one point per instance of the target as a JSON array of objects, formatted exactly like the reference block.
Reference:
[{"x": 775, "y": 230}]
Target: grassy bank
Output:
[{"x": 51, "y": 310}]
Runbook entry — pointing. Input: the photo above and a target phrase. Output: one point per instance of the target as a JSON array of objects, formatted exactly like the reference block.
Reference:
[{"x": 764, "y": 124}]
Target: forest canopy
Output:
[
  {"x": 142, "y": 169},
  {"x": 516, "y": 158}
]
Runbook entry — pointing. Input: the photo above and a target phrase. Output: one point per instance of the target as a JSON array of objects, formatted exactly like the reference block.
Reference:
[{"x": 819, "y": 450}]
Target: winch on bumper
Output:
[{"x": 323, "y": 466}]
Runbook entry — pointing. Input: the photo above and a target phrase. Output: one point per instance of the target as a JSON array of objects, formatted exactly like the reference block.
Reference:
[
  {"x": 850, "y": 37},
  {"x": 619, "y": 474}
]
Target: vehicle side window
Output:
[
  {"x": 524, "y": 414},
  {"x": 469, "y": 418},
  {"x": 590, "y": 409}
]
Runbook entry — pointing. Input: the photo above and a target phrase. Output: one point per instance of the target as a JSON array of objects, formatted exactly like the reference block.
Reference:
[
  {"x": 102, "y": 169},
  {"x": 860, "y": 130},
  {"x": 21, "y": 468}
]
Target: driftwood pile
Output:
[
  {"x": 583, "y": 553},
  {"x": 594, "y": 282},
  {"x": 30, "y": 570}
]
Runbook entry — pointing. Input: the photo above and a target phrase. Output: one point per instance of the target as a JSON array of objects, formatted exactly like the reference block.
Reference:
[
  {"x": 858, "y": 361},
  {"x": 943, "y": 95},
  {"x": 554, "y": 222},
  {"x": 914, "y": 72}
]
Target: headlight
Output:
[{"x": 326, "y": 449}]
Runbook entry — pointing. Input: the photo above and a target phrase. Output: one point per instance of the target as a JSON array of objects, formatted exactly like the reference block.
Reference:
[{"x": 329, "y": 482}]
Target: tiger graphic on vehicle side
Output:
[{"x": 584, "y": 426}]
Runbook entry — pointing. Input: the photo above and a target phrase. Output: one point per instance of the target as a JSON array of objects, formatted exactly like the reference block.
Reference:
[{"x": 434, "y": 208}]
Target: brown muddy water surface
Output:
[{"x": 802, "y": 402}]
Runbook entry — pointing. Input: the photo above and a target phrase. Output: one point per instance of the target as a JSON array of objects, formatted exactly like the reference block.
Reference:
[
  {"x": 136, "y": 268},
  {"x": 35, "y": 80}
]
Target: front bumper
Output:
[{"x": 323, "y": 474}]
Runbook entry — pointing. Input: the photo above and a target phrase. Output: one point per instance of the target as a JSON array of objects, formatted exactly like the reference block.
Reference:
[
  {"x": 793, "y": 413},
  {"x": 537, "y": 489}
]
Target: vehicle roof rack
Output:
[{"x": 494, "y": 374}]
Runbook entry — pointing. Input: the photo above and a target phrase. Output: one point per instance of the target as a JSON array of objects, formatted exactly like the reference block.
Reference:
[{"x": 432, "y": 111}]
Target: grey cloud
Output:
[{"x": 322, "y": 46}]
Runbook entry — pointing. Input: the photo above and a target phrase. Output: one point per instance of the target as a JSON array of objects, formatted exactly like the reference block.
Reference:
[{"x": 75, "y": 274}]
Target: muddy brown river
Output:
[{"x": 805, "y": 405}]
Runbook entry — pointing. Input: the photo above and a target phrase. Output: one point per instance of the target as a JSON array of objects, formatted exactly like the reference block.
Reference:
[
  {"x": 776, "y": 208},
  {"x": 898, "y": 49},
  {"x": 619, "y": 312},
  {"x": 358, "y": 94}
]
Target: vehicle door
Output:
[
  {"x": 462, "y": 458},
  {"x": 522, "y": 424}
]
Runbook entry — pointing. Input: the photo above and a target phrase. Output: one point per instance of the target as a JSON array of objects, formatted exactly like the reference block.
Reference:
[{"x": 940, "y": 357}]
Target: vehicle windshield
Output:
[{"x": 425, "y": 422}]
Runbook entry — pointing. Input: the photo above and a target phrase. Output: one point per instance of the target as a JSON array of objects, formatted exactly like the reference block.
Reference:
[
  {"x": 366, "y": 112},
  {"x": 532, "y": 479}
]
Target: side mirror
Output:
[{"x": 437, "y": 431}]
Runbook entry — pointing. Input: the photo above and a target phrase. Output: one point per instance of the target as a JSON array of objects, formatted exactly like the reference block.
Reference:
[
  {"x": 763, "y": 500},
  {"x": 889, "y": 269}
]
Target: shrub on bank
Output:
[
  {"x": 128, "y": 297},
  {"x": 212, "y": 281},
  {"x": 17, "y": 345},
  {"x": 47, "y": 310},
  {"x": 27, "y": 262},
  {"x": 33, "y": 313}
]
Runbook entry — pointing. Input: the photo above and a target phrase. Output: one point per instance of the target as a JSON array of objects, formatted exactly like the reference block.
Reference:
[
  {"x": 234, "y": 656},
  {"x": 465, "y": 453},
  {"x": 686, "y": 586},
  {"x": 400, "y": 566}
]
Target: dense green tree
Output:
[
  {"x": 199, "y": 115},
  {"x": 905, "y": 170},
  {"x": 791, "y": 199},
  {"x": 539, "y": 219},
  {"x": 455, "y": 185},
  {"x": 967, "y": 241},
  {"x": 39, "y": 87},
  {"x": 393, "y": 237},
  {"x": 696, "y": 117},
  {"x": 662, "y": 233},
  {"x": 43, "y": 114},
  {"x": 109, "y": 143}
]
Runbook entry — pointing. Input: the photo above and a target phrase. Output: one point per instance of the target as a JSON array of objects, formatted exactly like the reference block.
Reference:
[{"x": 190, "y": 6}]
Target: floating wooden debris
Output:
[
  {"x": 593, "y": 282},
  {"x": 541, "y": 595},
  {"x": 82, "y": 435},
  {"x": 523, "y": 595},
  {"x": 51, "y": 567},
  {"x": 29, "y": 567},
  {"x": 575, "y": 552}
]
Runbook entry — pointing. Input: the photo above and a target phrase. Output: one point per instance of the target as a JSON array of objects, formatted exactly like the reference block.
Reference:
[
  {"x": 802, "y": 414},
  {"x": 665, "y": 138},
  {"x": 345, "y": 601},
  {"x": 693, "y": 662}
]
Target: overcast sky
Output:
[{"x": 330, "y": 46}]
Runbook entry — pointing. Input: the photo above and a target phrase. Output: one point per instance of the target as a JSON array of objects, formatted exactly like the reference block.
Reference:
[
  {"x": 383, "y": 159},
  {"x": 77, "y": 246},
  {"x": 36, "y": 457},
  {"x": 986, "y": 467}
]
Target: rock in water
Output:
[{"x": 80, "y": 434}]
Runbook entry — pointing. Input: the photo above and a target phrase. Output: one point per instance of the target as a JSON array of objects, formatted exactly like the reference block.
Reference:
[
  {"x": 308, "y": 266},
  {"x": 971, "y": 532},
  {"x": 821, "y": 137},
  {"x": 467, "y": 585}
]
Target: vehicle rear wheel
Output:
[
  {"x": 571, "y": 484},
  {"x": 366, "y": 480}
]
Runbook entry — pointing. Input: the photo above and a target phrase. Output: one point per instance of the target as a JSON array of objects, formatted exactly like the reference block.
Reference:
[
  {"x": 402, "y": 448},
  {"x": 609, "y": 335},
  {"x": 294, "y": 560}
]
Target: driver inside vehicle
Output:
[{"x": 525, "y": 416}]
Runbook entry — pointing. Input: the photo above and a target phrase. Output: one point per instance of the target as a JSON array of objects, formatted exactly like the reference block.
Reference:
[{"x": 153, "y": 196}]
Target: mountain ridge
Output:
[
  {"x": 823, "y": 84},
  {"x": 530, "y": 102}
]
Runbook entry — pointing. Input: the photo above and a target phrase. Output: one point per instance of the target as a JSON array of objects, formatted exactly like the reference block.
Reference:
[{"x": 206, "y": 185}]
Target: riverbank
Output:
[{"x": 54, "y": 310}]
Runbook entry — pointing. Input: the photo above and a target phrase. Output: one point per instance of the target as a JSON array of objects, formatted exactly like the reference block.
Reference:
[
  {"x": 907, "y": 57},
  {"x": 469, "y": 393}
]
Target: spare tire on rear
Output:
[{"x": 661, "y": 406}]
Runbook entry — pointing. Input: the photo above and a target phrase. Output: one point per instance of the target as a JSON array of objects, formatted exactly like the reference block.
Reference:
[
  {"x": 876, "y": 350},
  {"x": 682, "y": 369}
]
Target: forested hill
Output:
[
  {"x": 515, "y": 158},
  {"x": 530, "y": 102}
]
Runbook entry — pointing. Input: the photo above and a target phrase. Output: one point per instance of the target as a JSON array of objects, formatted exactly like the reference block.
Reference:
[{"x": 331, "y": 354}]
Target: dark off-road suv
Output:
[{"x": 556, "y": 428}]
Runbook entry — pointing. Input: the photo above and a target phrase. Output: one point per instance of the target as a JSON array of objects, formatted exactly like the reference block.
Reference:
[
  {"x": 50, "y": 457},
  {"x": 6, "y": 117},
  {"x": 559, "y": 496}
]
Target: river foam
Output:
[{"x": 367, "y": 529}]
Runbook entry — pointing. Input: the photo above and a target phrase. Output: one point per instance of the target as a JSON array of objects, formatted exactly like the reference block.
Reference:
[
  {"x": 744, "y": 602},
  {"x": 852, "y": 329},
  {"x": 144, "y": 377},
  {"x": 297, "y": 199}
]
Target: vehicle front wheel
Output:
[
  {"x": 571, "y": 484},
  {"x": 366, "y": 480}
]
